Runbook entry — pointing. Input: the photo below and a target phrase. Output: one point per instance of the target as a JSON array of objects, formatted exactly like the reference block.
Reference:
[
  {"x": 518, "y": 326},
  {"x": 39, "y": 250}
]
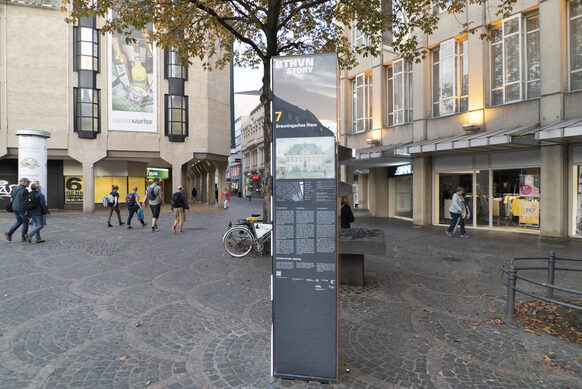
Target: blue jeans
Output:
[
  {"x": 21, "y": 220},
  {"x": 130, "y": 216},
  {"x": 38, "y": 225},
  {"x": 456, "y": 217}
]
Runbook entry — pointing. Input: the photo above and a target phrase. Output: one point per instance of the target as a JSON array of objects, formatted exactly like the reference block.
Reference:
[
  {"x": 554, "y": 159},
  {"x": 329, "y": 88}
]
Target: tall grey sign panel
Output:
[{"x": 305, "y": 278}]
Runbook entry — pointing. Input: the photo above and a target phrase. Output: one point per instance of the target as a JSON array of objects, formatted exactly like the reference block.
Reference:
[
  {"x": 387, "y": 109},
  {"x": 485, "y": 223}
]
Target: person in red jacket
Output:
[{"x": 226, "y": 197}]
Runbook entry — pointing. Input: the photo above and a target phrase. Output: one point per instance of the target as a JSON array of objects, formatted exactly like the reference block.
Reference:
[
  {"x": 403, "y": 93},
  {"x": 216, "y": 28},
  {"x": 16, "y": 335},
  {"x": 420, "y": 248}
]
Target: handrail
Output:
[{"x": 512, "y": 278}]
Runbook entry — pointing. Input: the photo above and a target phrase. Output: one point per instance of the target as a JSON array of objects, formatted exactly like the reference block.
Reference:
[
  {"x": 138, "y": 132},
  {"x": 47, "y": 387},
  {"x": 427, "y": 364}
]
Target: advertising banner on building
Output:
[
  {"x": 73, "y": 189},
  {"x": 132, "y": 91},
  {"x": 305, "y": 278}
]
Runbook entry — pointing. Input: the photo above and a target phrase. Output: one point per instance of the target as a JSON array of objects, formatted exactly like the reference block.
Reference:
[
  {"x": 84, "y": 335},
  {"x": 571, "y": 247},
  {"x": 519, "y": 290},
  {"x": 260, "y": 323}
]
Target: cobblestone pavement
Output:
[{"x": 98, "y": 307}]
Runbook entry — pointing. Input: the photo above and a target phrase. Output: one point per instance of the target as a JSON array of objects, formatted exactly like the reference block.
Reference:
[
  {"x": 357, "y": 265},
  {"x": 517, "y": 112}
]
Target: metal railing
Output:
[{"x": 512, "y": 277}]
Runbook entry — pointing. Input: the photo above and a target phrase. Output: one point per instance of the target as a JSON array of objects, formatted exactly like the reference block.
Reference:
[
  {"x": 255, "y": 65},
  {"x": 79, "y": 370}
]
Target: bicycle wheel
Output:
[{"x": 238, "y": 242}]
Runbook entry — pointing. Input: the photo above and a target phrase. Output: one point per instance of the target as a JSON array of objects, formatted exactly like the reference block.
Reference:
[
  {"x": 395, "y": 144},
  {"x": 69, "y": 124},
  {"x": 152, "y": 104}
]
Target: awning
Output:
[
  {"x": 379, "y": 156},
  {"x": 517, "y": 137},
  {"x": 567, "y": 130}
]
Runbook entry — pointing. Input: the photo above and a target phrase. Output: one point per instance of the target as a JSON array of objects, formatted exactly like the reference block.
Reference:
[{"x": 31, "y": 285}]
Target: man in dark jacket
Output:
[
  {"x": 17, "y": 199},
  {"x": 37, "y": 214},
  {"x": 179, "y": 207}
]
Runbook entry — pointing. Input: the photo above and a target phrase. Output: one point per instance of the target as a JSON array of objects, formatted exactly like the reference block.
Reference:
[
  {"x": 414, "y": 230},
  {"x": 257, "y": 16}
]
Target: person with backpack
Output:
[
  {"x": 37, "y": 214},
  {"x": 154, "y": 196},
  {"x": 17, "y": 196},
  {"x": 114, "y": 206},
  {"x": 179, "y": 207},
  {"x": 226, "y": 197},
  {"x": 133, "y": 204}
]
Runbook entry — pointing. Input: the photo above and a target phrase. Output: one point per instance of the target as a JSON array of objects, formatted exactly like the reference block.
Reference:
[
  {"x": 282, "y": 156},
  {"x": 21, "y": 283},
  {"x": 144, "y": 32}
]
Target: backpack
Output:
[
  {"x": 108, "y": 200},
  {"x": 29, "y": 201},
  {"x": 130, "y": 201},
  {"x": 150, "y": 193},
  {"x": 177, "y": 200}
]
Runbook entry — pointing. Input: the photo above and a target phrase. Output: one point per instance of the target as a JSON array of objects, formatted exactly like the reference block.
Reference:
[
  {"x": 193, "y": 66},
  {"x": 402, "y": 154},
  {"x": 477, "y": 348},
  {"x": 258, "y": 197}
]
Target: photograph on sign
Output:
[
  {"x": 132, "y": 74},
  {"x": 303, "y": 158}
]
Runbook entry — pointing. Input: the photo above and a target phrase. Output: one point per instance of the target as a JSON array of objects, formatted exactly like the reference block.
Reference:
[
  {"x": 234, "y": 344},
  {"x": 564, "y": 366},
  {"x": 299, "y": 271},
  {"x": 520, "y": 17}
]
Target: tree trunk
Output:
[{"x": 266, "y": 98}]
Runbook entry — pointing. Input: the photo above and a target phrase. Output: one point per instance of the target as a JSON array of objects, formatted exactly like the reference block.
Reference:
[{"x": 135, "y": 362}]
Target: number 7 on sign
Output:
[{"x": 278, "y": 115}]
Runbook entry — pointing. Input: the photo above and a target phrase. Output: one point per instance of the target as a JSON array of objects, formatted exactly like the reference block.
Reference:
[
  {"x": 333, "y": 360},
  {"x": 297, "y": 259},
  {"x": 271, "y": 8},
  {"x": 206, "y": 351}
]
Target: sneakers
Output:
[
  {"x": 40, "y": 241},
  {"x": 28, "y": 238},
  {"x": 109, "y": 225},
  {"x": 447, "y": 233},
  {"x": 464, "y": 236},
  {"x": 156, "y": 229},
  {"x": 129, "y": 227},
  {"x": 121, "y": 223},
  {"x": 8, "y": 236}
]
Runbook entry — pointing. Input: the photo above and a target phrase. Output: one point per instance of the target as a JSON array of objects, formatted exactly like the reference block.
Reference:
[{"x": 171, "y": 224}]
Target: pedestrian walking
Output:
[
  {"x": 226, "y": 197},
  {"x": 114, "y": 205},
  {"x": 37, "y": 214},
  {"x": 179, "y": 208},
  {"x": 194, "y": 194},
  {"x": 347, "y": 216},
  {"x": 250, "y": 194},
  {"x": 133, "y": 205},
  {"x": 154, "y": 196},
  {"x": 17, "y": 201},
  {"x": 43, "y": 193},
  {"x": 459, "y": 212}
]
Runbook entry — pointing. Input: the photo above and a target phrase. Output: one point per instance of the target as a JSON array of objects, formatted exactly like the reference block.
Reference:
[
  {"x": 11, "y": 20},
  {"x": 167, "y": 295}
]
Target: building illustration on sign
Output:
[{"x": 299, "y": 158}]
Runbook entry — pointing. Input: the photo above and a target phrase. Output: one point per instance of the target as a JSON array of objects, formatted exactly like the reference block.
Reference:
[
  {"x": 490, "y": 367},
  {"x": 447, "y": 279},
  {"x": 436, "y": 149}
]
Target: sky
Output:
[{"x": 246, "y": 79}]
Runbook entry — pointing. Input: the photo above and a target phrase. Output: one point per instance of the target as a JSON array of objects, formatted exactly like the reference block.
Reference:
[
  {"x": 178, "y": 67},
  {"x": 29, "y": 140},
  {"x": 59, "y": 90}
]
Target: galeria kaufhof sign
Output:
[{"x": 305, "y": 281}]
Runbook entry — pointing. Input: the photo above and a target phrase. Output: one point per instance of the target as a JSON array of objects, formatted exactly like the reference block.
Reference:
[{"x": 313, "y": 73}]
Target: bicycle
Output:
[{"x": 248, "y": 234}]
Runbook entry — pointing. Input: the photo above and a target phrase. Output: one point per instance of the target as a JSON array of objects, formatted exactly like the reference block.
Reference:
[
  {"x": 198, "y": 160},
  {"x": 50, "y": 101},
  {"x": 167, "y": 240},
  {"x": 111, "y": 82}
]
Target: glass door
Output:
[
  {"x": 448, "y": 184},
  {"x": 482, "y": 200}
]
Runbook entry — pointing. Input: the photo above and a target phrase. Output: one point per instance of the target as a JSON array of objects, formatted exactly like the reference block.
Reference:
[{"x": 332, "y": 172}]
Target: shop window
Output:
[
  {"x": 448, "y": 184},
  {"x": 362, "y": 103},
  {"x": 86, "y": 46},
  {"x": 575, "y": 44},
  {"x": 176, "y": 117},
  {"x": 86, "y": 112},
  {"x": 450, "y": 78},
  {"x": 509, "y": 82},
  {"x": 403, "y": 201},
  {"x": 516, "y": 198},
  {"x": 399, "y": 92},
  {"x": 174, "y": 68}
]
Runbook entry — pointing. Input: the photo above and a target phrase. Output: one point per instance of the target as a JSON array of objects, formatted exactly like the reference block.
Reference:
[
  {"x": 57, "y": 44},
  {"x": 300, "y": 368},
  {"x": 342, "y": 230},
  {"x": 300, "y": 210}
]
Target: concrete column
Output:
[
  {"x": 88, "y": 187},
  {"x": 221, "y": 184},
  {"x": 553, "y": 60},
  {"x": 363, "y": 191},
  {"x": 422, "y": 191},
  {"x": 378, "y": 180},
  {"x": 378, "y": 97},
  {"x": 203, "y": 191},
  {"x": 554, "y": 191},
  {"x": 176, "y": 176}
]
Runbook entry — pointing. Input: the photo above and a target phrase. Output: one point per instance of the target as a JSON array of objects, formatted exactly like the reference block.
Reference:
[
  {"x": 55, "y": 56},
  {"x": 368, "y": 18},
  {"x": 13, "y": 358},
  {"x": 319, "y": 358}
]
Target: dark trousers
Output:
[
  {"x": 21, "y": 220},
  {"x": 457, "y": 217},
  {"x": 116, "y": 209},
  {"x": 130, "y": 216}
]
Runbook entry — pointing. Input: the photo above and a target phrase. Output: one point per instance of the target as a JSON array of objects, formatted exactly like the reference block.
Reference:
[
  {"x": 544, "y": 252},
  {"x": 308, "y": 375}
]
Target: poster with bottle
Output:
[
  {"x": 305, "y": 228},
  {"x": 132, "y": 92}
]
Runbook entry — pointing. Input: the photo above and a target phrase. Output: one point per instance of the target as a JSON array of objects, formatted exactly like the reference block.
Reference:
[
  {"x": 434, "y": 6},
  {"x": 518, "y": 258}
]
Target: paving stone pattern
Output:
[{"x": 99, "y": 307}]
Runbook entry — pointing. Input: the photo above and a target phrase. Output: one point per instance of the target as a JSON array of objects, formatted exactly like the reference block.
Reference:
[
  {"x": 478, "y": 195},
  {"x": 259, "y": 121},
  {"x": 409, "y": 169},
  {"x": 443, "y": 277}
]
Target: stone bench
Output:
[{"x": 355, "y": 243}]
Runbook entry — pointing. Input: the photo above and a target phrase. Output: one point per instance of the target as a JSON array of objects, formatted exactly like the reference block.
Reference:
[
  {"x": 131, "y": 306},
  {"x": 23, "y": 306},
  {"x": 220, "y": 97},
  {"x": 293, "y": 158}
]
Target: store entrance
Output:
[{"x": 448, "y": 184}]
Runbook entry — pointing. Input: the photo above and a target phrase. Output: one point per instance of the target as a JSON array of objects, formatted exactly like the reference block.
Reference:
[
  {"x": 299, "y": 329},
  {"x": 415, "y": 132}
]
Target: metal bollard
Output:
[
  {"x": 511, "y": 279},
  {"x": 551, "y": 267}
]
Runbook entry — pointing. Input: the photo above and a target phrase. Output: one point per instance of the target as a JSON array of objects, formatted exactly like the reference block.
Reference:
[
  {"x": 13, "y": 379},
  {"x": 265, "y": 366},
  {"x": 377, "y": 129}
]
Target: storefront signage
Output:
[
  {"x": 157, "y": 173},
  {"x": 305, "y": 279},
  {"x": 256, "y": 177},
  {"x": 400, "y": 170},
  {"x": 132, "y": 76},
  {"x": 74, "y": 189},
  {"x": 529, "y": 212}
]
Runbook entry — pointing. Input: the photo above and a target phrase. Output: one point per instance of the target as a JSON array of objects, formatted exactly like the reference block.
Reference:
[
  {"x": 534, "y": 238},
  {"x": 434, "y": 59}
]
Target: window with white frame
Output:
[
  {"x": 575, "y": 44},
  {"x": 442, "y": 6},
  {"x": 358, "y": 37},
  {"x": 399, "y": 92},
  {"x": 509, "y": 58},
  {"x": 362, "y": 103},
  {"x": 450, "y": 77}
]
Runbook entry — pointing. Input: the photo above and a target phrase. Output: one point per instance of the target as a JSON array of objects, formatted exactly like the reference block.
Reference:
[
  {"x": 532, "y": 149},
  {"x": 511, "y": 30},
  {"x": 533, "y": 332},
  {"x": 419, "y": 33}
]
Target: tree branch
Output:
[
  {"x": 231, "y": 29},
  {"x": 295, "y": 11}
]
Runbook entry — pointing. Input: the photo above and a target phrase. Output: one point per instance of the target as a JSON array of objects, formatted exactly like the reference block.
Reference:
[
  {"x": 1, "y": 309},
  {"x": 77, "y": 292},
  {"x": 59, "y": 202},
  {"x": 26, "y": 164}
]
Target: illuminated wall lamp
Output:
[{"x": 372, "y": 142}]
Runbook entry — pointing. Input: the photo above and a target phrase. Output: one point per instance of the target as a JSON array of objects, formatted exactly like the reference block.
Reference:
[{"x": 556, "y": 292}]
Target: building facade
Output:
[
  {"x": 500, "y": 117},
  {"x": 252, "y": 152},
  {"x": 235, "y": 168},
  {"x": 117, "y": 113}
]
